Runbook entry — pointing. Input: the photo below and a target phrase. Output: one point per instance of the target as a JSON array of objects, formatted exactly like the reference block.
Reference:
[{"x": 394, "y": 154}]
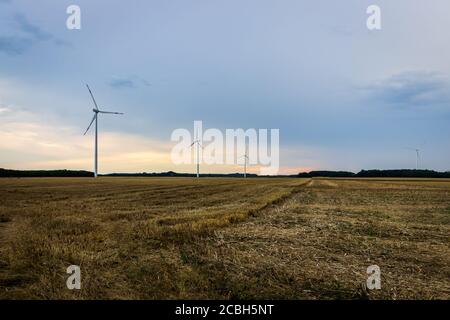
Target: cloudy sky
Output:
[{"x": 343, "y": 97}]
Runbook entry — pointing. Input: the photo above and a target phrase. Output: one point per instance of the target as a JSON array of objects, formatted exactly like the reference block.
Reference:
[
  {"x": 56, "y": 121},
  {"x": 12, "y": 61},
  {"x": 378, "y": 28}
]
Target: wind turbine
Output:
[
  {"x": 417, "y": 156},
  {"x": 198, "y": 145},
  {"x": 96, "y": 111},
  {"x": 245, "y": 156}
]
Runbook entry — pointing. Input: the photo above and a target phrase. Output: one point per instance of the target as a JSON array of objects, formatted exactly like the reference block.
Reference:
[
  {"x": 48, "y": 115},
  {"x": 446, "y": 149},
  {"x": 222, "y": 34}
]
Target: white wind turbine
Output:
[
  {"x": 198, "y": 146},
  {"x": 245, "y": 156},
  {"x": 95, "y": 118},
  {"x": 417, "y": 156}
]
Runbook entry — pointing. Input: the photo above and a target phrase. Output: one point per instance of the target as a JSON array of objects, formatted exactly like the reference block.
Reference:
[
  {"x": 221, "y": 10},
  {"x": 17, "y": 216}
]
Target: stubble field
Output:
[{"x": 222, "y": 238}]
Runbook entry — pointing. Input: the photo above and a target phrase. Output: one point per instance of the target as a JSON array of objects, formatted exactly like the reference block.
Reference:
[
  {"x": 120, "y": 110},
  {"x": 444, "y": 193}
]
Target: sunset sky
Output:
[{"x": 343, "y": 97}]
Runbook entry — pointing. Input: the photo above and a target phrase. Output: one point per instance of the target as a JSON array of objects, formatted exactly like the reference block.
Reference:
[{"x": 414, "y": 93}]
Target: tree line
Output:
[{"x": 400, "y": 173}]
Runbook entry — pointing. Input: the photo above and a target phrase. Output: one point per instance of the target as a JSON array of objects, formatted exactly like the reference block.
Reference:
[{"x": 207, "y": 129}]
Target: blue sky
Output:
[{"x": 343, "y": 97}]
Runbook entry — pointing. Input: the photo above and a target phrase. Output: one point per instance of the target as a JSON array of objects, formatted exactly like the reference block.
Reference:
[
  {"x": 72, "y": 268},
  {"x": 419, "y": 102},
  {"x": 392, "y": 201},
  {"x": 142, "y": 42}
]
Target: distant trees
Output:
[
  {"x": 400, "y": 173},
  {"x": 403, "y": 173},
  {"x": 44, "y": 173},
  {"x": 177, "y": 174},
  {"x": 335, "y": 174}
]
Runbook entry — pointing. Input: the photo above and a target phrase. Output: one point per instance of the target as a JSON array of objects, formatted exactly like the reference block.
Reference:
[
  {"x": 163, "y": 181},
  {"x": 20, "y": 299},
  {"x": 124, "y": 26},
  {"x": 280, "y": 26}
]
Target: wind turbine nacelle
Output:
[{"x": 95, "y": 110}]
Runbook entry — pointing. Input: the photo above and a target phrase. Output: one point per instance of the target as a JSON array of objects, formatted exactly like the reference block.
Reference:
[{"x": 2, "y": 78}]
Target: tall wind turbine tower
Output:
[
  {"x": 417, "y": 158},
  {"x": 245, "y": 156},
  {"x": 198, "y": 146},
  {"x": 96, "y": 111},
  {"x": 417, "y": 150}
]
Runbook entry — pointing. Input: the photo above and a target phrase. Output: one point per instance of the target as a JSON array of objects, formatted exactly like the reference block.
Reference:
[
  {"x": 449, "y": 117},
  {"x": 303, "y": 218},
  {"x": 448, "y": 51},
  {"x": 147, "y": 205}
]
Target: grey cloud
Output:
[
  {"x": 15, "y": 45},
  {"x": 412, "y": 89},
  {"x": 128, "y": 82},
  {"x": 33, "y": 30},
  {"x": 31, "y": 34}
]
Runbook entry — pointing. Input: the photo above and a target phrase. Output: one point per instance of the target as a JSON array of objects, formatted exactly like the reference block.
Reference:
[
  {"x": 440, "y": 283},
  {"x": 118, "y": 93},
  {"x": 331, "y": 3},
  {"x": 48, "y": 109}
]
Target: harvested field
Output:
[{"x": 219, "y": 238}]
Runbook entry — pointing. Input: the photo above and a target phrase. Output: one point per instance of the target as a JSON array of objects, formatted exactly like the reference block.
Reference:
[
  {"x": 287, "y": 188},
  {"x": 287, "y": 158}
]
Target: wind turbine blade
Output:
[
  {"x": 93, "y": 99},
  {"x": 110, "y": 112},
  {"x": 196, "y": 141},
  {"x": 90, "y": 124}
]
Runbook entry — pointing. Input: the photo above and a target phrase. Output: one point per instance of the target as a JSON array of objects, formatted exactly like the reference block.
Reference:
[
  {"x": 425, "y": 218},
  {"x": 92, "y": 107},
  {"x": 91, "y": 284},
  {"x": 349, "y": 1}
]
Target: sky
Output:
[{"x": 343, "y": 97}]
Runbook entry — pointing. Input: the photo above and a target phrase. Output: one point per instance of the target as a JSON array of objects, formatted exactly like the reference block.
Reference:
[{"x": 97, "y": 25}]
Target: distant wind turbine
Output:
[
  {"x": 95, "y": 118},
  {"x": 198, "y": 146},
  {"x": 245, "y": 156},
  {"x": 417, "y": 156}
]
